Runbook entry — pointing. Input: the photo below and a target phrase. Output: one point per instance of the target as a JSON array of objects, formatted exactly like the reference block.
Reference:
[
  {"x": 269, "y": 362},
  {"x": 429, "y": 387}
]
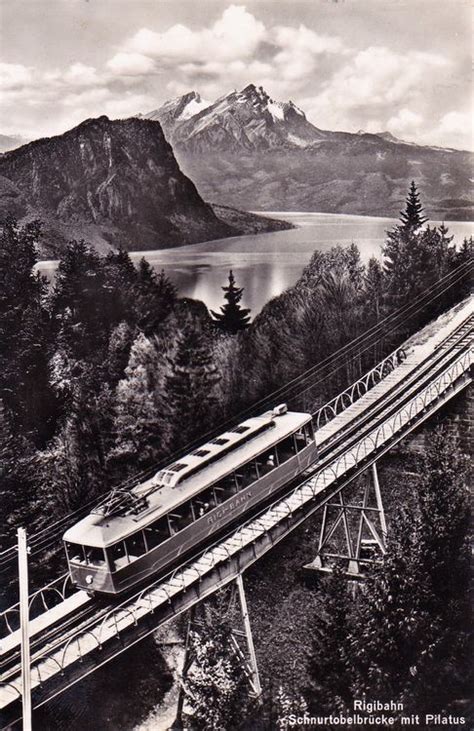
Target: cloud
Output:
[
  {"x": 372, "y": 85},
  {"x": 455, "y": 130},
  {"x": 337, "y": 84},
  {"x": 235, "y": 35},
  {"x": 233, "y": 51},
  {"x": 131, "y": 64},
  {"x": 405, "y": 122},
  {"x": 300, "y": 49},
  {"x": 14, "y": 76}
]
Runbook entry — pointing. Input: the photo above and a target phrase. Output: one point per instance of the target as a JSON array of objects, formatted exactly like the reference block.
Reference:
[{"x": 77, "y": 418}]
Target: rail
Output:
[
  {"x": 359, "y": 388},
  {"x": 44, "y": 537},
  {"x": 220, "y": 563},
  {"x": 49, "y": 595}
]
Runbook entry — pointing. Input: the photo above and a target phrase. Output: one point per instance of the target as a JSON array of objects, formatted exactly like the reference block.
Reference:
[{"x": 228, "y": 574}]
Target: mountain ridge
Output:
[
  {"x": 252, "y": 152},
  {"x": 112, "y": 182}
]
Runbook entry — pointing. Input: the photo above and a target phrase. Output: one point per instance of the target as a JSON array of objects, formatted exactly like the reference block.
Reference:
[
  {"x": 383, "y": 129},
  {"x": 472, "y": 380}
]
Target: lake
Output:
[{"x": 266, "y": 264}]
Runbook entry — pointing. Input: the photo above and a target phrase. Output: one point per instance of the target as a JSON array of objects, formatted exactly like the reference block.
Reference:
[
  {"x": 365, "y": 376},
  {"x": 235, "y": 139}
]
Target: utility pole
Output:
[{"x": 25, "y": 633}]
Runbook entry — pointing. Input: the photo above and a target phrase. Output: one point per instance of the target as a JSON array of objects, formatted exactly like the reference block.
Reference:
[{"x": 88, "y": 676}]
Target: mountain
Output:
[
  {"x": 389, "y": 137},
  {"x": 112, "y": 183},
  {"x": 10, "y": 142},
  {"x": 179, "y": 109},
  {"x": 248, "y": 120},
  {"x": 250, "y": 151}
]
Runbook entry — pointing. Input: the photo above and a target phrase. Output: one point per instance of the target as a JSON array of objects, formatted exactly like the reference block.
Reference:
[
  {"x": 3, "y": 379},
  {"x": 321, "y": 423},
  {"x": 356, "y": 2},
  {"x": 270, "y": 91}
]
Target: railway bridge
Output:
[{"x": 354, "y": 430}]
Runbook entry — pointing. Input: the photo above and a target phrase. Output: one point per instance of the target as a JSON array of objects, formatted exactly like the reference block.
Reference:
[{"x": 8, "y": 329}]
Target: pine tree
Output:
[
  {"x": 154, "y": 298},
  {"x": 465, "y": 255},
  {"x": 190, "y": 387},
  {"x": 412, "y": 217},
  {"x": 392, "y": 624},
  {"x": 25, "y": 334},
  {"x": 374, "y": 289},
  {"x": 82, "y": 302},
  {"x": 15, "y": 480},
  {"x": 405, "y": 255},
  {"x": 232, "y": 317},
  {"x": 118, "y": 352},
  {"x": 410, "y": 639}
]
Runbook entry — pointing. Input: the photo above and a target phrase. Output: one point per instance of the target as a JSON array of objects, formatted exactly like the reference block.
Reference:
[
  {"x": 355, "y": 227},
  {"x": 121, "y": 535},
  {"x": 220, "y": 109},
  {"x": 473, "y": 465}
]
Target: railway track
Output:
[
  {"x": 49, "y": 537},
  {"x": 386, "y": 399}
]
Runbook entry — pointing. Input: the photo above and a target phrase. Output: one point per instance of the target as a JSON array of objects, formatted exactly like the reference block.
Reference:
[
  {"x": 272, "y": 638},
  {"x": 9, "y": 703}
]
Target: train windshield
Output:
[{"x": 88, "y": 555}]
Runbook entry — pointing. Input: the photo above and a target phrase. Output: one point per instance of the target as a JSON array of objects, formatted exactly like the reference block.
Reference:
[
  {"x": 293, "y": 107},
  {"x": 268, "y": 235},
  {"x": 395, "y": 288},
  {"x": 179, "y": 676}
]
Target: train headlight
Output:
[{"x": 89, "y": 579}]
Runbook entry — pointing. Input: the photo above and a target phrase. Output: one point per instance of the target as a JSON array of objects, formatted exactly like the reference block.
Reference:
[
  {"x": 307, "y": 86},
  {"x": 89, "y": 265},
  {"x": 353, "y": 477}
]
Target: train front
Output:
[{"x": 88, "y": 561}]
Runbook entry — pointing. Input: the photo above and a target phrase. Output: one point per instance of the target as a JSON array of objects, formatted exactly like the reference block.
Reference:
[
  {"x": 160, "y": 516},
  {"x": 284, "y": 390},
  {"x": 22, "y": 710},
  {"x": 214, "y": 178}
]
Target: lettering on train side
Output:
[{"x": 226, "y": 508}]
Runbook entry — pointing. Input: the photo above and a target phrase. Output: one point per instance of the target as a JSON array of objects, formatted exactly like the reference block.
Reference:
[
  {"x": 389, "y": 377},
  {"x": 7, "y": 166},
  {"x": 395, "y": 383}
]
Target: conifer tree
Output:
[
  {"x": 154, "y": 298},
  {"x": 232, "y": 317},
  {"x": 374, "y": 287},
  {"x": 404, "y": 253},
  {"x": 25, "y": 334},
  {"x": 465, "y": 255},
  {"x": 190, "y": 387},
  {"x": 411, "y": 626},
  {"x": 412, "y": 217},
  {"x": 15, "y": 480}
]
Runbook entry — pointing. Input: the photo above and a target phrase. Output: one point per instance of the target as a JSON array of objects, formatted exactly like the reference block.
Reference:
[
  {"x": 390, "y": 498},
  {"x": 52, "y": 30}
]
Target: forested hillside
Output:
[{"x": 109, "y": 371}]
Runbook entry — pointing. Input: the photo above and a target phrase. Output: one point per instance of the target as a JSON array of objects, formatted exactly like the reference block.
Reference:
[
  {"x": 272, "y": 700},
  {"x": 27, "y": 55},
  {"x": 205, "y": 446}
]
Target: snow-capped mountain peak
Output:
[
  {"x": 179, "y": 109},
  {"x": 248, "y": 119}
]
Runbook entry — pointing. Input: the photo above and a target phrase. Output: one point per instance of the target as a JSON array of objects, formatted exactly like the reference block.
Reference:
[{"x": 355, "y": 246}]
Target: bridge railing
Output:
[
  {"x": 358, "y": 389},
  {"x": 132, "y": 611},
  {"x": 39, "y": 601}
]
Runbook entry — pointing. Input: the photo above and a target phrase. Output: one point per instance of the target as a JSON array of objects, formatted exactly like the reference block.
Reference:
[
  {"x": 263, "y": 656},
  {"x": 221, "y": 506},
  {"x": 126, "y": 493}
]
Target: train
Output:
[{"x": 148, "y": 529}]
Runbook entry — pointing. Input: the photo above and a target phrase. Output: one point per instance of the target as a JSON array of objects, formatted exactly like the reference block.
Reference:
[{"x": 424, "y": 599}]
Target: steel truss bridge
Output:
[{"x": 354, "y": 430}]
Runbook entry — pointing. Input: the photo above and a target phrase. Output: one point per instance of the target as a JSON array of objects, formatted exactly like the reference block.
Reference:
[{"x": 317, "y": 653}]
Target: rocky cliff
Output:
[{"x": 115, "y": 181}]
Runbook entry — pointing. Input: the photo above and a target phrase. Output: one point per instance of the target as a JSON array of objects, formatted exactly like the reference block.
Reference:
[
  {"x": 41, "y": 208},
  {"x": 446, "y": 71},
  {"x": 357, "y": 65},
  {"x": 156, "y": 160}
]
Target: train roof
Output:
[{"x": 202, "y": 468}]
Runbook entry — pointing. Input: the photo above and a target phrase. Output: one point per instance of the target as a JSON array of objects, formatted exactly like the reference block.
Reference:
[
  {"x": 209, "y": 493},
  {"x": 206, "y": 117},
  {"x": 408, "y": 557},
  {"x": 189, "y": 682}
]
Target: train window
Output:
[
  {"x": 240, "y": 429},
  {"x": 75, "y": 552},
  {"x": 166, "y": 477},
  {"x": 200, "y": 452},
  {"x": 220, "y": 441},
  {"x": 246, "y": 474},
  {"x": 94, "y": 556},
  {"x": 135, "y": 546},
  {"x": 225, "y": 488},
  {"x": 205, "y": 502},
  {"x": 177, "y": 467},
  {"x": 286, "y": 449},
  {"x": 303, "y": 437},
  {"x": 266, "y": 462},
  {"x": 117, "y": 555},
  {"x": 156, "y": 533},
  {"x": 181, "y": 518}
]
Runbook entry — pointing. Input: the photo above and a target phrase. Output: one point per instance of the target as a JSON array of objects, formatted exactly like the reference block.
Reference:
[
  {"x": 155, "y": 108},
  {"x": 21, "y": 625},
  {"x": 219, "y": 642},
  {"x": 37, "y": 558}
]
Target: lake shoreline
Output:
[{"x": 265, "y": 264}]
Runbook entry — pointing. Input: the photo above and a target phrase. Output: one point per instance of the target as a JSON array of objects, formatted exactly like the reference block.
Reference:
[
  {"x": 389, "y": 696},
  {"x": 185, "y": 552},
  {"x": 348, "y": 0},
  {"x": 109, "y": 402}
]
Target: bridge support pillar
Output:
[
  {"x": 239, "y": 637},
  {"x": 254, "y": 678},
  {"x": 364, "y": 529}
]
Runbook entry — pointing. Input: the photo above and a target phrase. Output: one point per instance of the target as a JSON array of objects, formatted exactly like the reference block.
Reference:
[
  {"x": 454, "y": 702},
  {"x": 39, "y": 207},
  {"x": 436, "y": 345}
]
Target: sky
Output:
[{"x": 402, "y": 66}]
